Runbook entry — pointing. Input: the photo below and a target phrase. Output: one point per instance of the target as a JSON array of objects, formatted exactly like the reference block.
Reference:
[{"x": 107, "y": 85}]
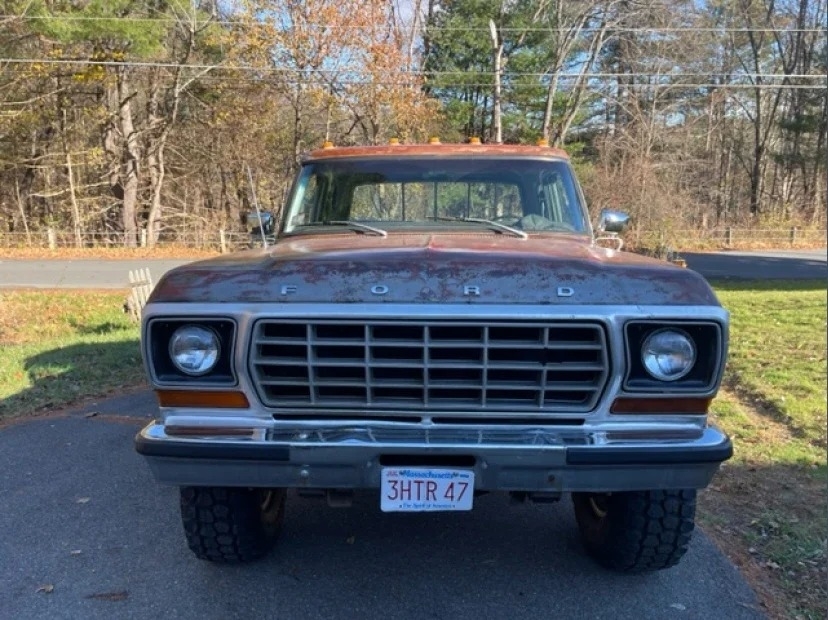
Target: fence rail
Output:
[
  {"x": 227, "y": 241},
  {"x": 731, "y": 236}
]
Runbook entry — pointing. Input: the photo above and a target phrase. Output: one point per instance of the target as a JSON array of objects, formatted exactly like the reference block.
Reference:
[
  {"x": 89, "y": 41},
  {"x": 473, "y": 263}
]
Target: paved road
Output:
[
  {"x": 82, "y": 513},
  {"x": 761, "y": 265},
  {"x": 795, "y": 264},
  {"x": 89, "y": 274}
]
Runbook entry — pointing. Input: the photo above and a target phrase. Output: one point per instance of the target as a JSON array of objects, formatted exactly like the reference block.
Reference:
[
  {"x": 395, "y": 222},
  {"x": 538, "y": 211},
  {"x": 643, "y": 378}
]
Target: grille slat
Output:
[{"x": 507, "y": 367}]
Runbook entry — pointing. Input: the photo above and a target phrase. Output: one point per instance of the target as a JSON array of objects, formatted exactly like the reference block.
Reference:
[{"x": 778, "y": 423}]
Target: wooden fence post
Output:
[
  {"x": 728, "y": 236},
  {"x": 222, "y": 241},
  {"x": 794, "y": 230},
  {"x": 50, "y": 234},
  {"x": 140, "y": 282}
]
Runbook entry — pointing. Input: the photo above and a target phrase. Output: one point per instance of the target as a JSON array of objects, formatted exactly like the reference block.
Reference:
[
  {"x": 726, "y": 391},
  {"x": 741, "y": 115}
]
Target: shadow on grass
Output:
[
  {"x": 99, "y": 329},
  {"x": 763, "y": 405},
  {"x": 772, "y": 521},
  {"x": 59, "y": 377}
]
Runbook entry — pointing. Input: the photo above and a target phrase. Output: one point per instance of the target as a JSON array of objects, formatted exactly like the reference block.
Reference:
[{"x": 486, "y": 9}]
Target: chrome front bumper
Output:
[{"x": 543, "y": 460}]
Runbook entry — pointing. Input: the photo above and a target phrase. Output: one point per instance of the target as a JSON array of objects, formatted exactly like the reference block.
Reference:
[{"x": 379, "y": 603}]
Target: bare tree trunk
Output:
[
  {"x": 157, "y": 165},
  {"x": 497, "y": 47},
  {"x": 76, "y": 219},
  {"x": 22, "y": 211},
  {"x": 130, "y": 159}
]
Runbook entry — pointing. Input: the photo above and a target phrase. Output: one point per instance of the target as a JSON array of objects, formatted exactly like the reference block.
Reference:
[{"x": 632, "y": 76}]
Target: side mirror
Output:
[
  {"x": 259, "y": 223},
  {"x": 612, "y": 221}
]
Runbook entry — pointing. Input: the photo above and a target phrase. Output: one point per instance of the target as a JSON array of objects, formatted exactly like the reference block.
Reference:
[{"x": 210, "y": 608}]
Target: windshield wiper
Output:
[
  {"x": 358, "y": 226},
  {"x": 477, "y": 220}
]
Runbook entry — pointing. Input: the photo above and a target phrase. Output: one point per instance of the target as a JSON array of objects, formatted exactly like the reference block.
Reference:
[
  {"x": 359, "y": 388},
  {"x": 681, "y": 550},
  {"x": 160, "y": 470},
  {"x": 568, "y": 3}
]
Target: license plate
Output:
[{"x": 413, "y": 489}]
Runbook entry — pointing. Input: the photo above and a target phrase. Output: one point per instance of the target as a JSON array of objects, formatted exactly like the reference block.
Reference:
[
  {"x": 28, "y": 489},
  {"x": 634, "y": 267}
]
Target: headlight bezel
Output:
[
  {"x": 162, "y": 368},
  {"x": 708, "y": 339}
]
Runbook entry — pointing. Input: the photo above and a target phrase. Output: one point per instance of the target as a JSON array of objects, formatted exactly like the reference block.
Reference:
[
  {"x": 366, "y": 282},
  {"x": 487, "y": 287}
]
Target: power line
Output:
[
  {"x": 336, "y": 73},
  {"x": 225, "y": 22}
]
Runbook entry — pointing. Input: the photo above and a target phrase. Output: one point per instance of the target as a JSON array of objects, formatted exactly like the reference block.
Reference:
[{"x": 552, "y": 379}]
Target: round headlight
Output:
[
  {"x": 194, "y": 350},
  {"x": 668, "y": 354}
]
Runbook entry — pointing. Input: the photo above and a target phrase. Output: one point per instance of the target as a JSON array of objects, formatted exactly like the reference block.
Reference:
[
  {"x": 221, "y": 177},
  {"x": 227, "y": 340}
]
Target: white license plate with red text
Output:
[{"x": 414, "y": 489}]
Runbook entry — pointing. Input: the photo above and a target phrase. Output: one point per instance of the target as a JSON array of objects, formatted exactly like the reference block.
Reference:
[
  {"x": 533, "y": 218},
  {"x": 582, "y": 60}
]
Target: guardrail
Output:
[{"x": 227, "y": 241}]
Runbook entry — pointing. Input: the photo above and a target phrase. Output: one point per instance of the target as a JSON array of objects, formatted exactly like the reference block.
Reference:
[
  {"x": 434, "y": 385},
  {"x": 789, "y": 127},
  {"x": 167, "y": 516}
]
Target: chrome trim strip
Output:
[{"x": 526, "y": 461}]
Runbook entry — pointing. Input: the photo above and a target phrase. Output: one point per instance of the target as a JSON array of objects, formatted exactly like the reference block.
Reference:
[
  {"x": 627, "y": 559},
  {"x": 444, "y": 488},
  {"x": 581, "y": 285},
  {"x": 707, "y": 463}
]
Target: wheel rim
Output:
[
  {"x": 266, "y": 500},
  {"x": 599, "y": 505}
]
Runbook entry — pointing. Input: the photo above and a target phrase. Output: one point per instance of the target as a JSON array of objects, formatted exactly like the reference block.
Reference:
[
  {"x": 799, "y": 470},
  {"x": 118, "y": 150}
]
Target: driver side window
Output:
[{"x": 309, "y": 200}]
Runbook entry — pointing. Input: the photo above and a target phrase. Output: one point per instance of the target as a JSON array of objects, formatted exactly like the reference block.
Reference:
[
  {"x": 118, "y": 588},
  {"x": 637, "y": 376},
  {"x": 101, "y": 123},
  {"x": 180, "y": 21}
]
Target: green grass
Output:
[
  {"x": 778, "y": 354},
  {"x": 59, "y": 347},
  {"x": 772, "y": 494}
]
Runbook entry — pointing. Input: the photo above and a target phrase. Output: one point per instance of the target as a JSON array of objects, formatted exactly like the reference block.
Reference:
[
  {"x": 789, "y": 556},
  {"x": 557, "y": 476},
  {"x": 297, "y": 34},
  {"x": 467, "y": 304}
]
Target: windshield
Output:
[{"x": 408, "y": 193}]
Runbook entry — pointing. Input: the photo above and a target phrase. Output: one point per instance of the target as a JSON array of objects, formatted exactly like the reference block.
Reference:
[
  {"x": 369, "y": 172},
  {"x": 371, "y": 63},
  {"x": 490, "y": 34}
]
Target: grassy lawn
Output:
[
  {"x": 768, "y": 507},
  {"x": 59, "y": 347}
]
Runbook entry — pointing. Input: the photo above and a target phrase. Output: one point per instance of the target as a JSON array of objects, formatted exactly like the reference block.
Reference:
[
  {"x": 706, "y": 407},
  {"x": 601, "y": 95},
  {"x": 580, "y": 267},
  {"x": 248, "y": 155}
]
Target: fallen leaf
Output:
[
  {"x": 678, "y": 606},
  {"x": 120, "y": 595},
  {"x": 91, "y": 414},
  {"x": 75, "y": 552},
  {"x": 46, "y": 588},
  {"x": 82, "y": 500},
  {"x": 350, "y": 540}
]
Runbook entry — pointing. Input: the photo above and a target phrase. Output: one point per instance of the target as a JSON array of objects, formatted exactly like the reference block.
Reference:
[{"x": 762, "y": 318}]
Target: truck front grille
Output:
[{"x": 511, "y": 367}]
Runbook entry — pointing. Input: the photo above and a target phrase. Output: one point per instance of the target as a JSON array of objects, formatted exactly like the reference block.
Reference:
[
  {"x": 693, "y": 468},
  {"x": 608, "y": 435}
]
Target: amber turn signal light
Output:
[
  {"x": 187, "y": 398},
  {"x": 666, "y": 406}
]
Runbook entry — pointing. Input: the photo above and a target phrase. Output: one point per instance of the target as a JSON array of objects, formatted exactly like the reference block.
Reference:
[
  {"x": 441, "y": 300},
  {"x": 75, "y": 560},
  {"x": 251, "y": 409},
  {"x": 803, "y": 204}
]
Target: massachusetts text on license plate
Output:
[{"x": 413, "y": 489}]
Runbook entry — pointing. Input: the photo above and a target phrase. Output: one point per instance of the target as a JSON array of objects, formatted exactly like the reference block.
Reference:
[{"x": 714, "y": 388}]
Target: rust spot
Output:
[{"x": 427, "y": 267}]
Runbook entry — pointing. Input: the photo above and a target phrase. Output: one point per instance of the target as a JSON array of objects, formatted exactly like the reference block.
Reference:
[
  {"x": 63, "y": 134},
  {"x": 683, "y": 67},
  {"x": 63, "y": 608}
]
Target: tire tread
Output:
[
  {"x": 646, "y": 530},
  {"x": 224, "y": 524}
]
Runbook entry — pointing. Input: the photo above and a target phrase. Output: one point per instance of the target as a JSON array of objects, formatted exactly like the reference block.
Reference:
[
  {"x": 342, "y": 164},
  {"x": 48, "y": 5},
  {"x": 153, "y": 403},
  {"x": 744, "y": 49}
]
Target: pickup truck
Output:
[{"x": 432, "y": 323}]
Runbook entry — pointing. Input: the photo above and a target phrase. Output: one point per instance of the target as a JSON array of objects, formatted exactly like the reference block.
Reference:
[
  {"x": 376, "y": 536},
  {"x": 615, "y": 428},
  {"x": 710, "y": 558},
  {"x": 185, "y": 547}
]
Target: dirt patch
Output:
[
  {"x": 769, "y": 518},
  {"x": 738, "y": 513}
]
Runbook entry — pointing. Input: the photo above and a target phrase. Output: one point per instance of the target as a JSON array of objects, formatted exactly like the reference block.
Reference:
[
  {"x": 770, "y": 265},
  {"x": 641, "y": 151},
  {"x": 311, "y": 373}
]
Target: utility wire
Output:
[
  {"x": 333, "y": 73},
  {"x": 235, "y": 22}
]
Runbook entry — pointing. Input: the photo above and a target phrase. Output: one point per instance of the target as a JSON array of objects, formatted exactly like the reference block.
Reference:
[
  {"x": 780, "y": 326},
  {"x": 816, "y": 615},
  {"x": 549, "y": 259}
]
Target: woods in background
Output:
[{"x": 139, "y": 120}]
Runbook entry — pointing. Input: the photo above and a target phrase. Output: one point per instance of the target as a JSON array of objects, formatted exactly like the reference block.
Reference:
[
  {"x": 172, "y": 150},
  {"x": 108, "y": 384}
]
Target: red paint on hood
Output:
[{"x": 343, "y": 267}]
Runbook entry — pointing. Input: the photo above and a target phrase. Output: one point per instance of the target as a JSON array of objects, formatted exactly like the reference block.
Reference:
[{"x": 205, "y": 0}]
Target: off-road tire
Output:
[
  {"x": 231, "y": 524},
  {"x": 636, "y": 532}
]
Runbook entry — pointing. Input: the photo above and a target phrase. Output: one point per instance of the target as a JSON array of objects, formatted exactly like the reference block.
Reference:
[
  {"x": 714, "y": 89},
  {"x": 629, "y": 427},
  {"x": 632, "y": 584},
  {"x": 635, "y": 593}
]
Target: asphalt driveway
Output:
[{"x": 85, "y": 532}]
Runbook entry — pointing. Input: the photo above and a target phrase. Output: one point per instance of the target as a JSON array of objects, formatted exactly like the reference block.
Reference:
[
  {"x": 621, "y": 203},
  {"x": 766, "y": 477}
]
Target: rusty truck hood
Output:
[{"x": 451, "y": 267}]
